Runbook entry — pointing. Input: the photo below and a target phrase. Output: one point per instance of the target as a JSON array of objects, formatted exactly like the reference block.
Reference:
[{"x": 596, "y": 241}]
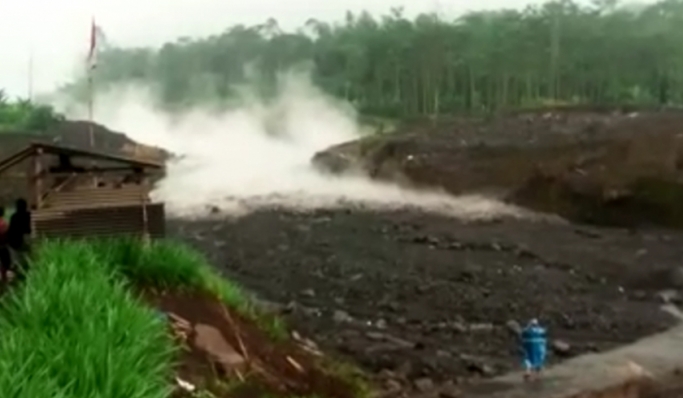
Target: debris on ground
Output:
[
  {"x": 449, "y": 306},
  {"x": 232, "y": 358}
]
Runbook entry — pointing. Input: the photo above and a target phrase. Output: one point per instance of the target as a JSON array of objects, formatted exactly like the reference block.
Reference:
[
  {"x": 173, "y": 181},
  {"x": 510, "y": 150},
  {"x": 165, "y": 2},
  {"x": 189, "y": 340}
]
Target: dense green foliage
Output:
[
  {"x": 558, "y": 52},
  {"x": 22, "y": 115},
  {"x": 73, "y": 330}
]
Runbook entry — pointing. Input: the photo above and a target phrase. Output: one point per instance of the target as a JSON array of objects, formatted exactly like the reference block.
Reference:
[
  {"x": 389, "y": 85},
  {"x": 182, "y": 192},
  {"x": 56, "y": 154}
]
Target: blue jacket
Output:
[{"x": 534, "y": 336}]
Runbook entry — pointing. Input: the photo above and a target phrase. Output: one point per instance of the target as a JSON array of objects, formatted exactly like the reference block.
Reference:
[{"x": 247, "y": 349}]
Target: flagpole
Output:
[
  {"x": 91, "y": 91},
  {"x": 90, "y": 110},
  {"x": 30, "y": 76},
  {"x": 91, "y": 95}
]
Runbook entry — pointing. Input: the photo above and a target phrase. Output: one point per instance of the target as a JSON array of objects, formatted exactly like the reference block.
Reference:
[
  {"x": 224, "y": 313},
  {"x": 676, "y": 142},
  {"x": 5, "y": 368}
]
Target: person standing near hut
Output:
[
  {"x": 19, "y": 228},
  {"x": 5, "y": 256}
]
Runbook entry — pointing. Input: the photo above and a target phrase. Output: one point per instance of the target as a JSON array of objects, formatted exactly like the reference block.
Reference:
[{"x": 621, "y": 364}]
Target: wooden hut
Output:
[{"x": 79, "y": 193}]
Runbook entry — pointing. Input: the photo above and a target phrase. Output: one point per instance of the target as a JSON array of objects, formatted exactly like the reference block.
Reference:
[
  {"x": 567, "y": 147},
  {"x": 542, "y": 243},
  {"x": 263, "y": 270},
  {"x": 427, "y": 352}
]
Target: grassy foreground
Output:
[
  {"x": 74, "y": 329},
  {"x": 166, "y": 264}
]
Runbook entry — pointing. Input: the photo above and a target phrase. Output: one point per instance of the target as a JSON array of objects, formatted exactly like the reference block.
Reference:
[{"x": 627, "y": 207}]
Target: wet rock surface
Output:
[{"x": 418, "y": 298}]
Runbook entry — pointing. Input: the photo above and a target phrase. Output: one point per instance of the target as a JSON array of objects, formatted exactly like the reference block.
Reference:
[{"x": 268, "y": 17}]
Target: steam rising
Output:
[{"x": 259, "y": 156}]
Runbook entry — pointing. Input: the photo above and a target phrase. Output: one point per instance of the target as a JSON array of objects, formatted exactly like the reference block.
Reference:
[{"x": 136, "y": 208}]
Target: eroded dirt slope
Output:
[
  {"x": 412, "y": 295},
  {"x": 232, "y": 358},
  {"x": 616, "y": 167}
]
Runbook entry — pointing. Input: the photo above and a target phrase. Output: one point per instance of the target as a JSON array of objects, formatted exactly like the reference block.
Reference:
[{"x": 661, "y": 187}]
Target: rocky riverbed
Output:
[{"x": 429, "y": 302}]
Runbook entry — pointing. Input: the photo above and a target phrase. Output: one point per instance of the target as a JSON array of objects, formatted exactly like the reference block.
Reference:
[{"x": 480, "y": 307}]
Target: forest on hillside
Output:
[
  {"x": 560, "y": 52},
  {"x": 22, "y": 115}
]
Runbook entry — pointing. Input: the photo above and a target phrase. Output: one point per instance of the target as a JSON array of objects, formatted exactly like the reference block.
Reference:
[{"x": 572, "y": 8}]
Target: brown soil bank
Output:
[
  {"x": 613, "y": 167},
  {"x": 232, "y": 358}
]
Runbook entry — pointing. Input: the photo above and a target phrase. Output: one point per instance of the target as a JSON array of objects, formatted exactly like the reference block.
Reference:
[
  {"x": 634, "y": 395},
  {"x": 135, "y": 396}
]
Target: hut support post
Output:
[
  {"x": 37, "y": 178},
  {"x": 145, "y": 216}
]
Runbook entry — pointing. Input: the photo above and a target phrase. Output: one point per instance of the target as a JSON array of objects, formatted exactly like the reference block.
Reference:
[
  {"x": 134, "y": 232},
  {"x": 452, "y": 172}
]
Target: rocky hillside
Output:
[
  {"x": 77, "y": 134},
  {"x": 616, "y": 167}
]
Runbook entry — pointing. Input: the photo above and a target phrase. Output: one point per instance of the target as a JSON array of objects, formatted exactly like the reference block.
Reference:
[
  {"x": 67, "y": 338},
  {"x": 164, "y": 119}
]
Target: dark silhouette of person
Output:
[
  {"x": 19, "y": 228},
  {"x": 5, "y": 255}
]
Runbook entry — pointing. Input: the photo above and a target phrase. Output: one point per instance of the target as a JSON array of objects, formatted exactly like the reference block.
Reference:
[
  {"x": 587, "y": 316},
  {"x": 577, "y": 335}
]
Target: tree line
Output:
[
  {"x": 560, "y": 52},
  {"x": 22, "y": 115}
]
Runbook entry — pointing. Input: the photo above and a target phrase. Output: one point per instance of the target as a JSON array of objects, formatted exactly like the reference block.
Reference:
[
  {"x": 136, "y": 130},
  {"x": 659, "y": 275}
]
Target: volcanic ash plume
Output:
[{"x": 258, "y": 155}]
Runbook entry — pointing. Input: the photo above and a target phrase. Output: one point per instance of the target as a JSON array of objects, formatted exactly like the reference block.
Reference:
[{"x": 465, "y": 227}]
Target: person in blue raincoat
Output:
[{"x": 534, "y": 347}]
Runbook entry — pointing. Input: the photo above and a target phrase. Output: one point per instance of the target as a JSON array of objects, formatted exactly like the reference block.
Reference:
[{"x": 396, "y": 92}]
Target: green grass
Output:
[
  {"x": 170, "y": 265},
  {"x": 76, "y": 328},
  {"x": 351, "y": 374},
  {"x": 8, "y": 213},
  {"x": 73, "y": 330}
]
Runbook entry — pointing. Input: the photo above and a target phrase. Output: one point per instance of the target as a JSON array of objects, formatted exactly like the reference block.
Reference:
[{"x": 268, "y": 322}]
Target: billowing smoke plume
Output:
[{"x": 259, "y": 155}]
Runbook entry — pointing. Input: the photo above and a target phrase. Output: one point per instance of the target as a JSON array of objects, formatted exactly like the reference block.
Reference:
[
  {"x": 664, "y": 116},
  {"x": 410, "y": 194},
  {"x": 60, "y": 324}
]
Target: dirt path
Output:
[{"x": 412, "y": 295}]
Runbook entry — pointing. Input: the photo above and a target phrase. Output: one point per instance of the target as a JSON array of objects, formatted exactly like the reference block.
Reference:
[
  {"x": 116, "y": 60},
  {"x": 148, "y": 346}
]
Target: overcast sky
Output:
[{"x": 57, "y": 31}]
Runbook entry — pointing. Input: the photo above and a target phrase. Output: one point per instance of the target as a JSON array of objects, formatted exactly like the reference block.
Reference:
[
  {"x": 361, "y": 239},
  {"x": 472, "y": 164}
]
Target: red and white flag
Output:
[{"x": 92, "y": 53}]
